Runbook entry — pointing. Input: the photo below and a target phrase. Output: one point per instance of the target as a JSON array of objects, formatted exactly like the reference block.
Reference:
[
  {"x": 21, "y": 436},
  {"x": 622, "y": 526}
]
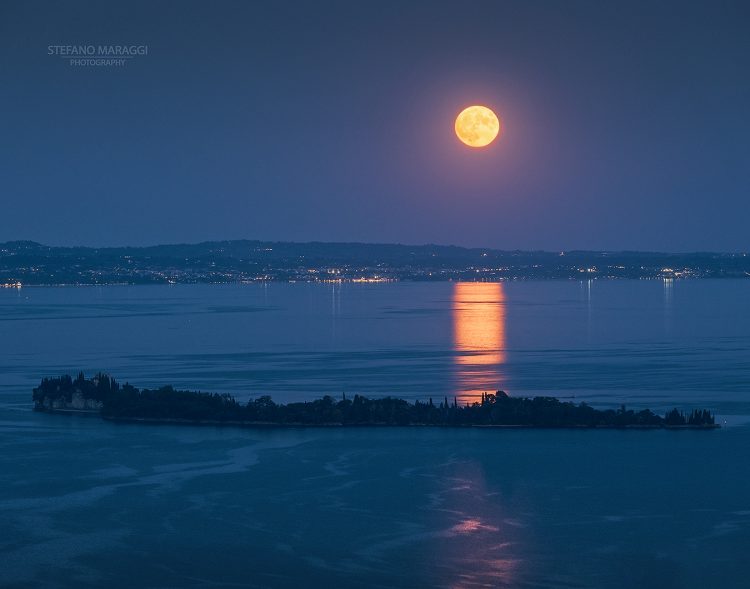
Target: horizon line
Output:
[{"x": 376, "y": 244}]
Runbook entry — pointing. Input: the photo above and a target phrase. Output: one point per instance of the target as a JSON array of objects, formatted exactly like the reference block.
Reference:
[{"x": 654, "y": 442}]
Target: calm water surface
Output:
[
  {"x": 647, "y": 342},
  {"x": 86, "y": 503}
]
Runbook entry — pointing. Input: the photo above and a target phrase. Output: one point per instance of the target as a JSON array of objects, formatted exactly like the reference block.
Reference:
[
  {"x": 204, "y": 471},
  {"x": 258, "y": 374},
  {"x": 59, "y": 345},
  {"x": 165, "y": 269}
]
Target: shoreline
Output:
[
  {"x": 251, "y": 281},
  {"x": 296, "y": 425}
]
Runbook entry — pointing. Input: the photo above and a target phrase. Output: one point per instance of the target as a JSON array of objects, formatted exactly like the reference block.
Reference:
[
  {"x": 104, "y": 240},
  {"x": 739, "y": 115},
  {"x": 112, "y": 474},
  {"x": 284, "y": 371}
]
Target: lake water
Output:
[{"x": 89, "y": 503}]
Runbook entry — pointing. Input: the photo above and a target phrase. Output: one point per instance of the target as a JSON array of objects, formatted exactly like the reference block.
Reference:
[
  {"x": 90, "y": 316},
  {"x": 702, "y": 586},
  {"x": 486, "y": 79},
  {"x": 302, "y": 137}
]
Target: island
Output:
[{"x": 105, "y": 397}]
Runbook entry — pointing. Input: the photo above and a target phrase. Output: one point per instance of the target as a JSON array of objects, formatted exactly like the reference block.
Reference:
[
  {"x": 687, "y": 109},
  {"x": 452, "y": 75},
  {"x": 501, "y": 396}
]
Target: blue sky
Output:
[{"x": 625, "y": 124}]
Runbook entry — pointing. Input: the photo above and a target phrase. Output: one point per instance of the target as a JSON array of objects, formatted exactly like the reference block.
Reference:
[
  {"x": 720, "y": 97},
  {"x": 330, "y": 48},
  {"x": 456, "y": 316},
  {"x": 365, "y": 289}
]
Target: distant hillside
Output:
[{"x": 32, "y": 263}]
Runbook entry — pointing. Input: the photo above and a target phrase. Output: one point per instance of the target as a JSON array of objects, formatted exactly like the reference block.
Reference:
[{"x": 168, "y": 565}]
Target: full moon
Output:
[{"x": 477, "y": 126}]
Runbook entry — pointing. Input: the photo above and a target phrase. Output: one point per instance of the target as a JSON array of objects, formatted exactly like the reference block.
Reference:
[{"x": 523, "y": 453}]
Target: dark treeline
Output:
[{"x": 166, "y": 403}]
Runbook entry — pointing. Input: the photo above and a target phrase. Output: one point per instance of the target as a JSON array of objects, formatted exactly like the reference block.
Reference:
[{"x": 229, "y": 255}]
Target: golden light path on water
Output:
[
  {"x": 479, "y": 337},
  {"x": 481, "y": 537}
]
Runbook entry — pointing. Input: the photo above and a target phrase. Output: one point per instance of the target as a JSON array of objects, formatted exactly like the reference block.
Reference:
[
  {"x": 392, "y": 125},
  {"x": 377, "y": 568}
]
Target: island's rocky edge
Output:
[{"x": 103, "y": 396}]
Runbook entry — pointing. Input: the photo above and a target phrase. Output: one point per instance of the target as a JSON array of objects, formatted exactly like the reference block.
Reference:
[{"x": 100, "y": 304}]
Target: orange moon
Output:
[{"x": 477, "y": 126}]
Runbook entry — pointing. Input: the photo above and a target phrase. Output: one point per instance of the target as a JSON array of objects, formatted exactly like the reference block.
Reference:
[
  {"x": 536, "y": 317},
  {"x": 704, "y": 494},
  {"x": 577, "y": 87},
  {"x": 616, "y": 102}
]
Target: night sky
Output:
[{"x": 626, "y": 124}]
